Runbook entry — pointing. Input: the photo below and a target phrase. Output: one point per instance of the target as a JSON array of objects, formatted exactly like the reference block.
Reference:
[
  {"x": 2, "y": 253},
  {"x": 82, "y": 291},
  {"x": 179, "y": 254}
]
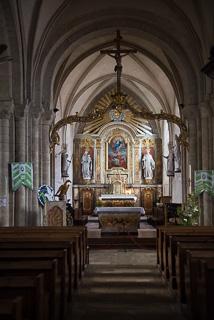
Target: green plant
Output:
[
  {"x": 191, "y": 212},
  {"x": 100, "y": 203}
]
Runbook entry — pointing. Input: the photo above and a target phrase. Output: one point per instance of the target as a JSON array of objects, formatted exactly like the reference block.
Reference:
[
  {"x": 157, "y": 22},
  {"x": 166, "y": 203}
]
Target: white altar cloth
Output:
[
  {"x": 117, "y": 197},
  {"x": 119, "y": 210}
]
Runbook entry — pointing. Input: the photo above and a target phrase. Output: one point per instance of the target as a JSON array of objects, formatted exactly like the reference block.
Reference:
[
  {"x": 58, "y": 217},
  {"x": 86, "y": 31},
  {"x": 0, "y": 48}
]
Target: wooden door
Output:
[
  {"x": 148, "y": 199},
  {"x": 87, "y": 201}
]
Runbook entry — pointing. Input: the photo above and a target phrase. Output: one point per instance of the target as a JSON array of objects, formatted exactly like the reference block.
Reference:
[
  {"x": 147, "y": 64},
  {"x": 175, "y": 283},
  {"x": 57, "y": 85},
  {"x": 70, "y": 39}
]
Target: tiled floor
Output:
[{"x": 124, "y": 285}]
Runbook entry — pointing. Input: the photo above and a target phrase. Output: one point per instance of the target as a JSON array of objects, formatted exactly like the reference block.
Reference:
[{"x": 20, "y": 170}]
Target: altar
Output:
[
  {"x": 118, "y": 200},
  {"x": 111, "y": 219}
]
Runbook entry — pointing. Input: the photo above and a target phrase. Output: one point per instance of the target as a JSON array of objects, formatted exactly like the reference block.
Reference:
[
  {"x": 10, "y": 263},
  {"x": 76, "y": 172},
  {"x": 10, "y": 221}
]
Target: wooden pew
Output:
[
  {"x": 40, "y": 237},
  {"x": 31, "y": 289},
  {"x": 37, "y": 255},
  {"x": 163, "y": 234},
  {"x": 11, "y": 309},
  {"x": 52, "y": 281},
  {"x": 192, "y": 272},
  {"x": 166, "y": 244},
  {"x": 189, "y": 242},
  {"x": 205, "y": 290},
  {"x": 181, "y": 260},
  {"x": 82, "y": 230},
  {"x": 183, "y": 230},
  {"x": 51, "y": 246},
  {"x": 57, "y": 231}
]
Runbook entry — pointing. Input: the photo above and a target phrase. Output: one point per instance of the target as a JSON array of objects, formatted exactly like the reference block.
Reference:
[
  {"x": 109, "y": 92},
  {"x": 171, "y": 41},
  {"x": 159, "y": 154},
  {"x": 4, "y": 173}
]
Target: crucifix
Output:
[{"x": 117, "y": 55}]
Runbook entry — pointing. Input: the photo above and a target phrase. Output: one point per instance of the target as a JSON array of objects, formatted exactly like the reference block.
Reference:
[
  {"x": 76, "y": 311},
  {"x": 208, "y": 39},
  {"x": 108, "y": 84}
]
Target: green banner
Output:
[
  {"x": 204, "y": 181},
  {"x": 22, "y": 173}
]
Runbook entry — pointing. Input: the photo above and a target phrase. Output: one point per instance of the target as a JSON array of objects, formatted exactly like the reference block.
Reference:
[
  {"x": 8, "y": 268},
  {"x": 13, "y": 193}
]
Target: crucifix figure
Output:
[{"x": 117, "y": 55}]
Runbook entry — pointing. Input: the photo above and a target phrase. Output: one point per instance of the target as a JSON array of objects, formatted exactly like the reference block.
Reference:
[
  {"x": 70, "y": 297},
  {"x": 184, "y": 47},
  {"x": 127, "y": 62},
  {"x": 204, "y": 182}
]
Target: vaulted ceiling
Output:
[{"x": 64, "y": 69}]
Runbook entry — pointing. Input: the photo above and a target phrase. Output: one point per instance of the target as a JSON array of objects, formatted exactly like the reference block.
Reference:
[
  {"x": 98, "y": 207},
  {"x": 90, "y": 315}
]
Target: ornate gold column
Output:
[
  {"x": 137, "y": 162},
  {"x": 6, "y": 109},
  {"x": 76, "y": 163},
  {"x": 98, "y": 162}
]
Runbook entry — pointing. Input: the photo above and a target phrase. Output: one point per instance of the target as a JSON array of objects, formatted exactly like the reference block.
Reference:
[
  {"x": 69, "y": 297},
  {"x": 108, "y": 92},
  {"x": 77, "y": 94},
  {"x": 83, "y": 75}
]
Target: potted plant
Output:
[{"x": 191, "y": 212}]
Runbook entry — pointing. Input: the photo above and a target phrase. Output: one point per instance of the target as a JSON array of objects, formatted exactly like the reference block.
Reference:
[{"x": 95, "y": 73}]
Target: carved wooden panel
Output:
[
  {"x": 87, "y": 201},
  {"x": 148, "y": 199},
  {"x": 55, "y": 217}
]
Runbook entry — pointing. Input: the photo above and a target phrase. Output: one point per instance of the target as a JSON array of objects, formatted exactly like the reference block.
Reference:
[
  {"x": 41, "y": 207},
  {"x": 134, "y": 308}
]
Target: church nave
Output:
[{"x": 127, "y": 285}]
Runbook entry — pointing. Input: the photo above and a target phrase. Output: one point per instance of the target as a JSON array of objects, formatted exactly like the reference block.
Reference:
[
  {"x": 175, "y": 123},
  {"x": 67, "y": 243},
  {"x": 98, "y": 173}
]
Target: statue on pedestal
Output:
[
  {"x": 86, "y": 165},
  {"x": 65, "y": 164},
  {"x": 170, "y": 160},
  {"x": 148, "y": 165},
  {"x": 177, "y": 154}
]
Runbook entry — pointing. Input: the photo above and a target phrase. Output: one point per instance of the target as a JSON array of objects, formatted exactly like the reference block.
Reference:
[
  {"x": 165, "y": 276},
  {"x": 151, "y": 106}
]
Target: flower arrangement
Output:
[
  {"x": 100, "y": 203},
  {"x": 191, "y": 212}
]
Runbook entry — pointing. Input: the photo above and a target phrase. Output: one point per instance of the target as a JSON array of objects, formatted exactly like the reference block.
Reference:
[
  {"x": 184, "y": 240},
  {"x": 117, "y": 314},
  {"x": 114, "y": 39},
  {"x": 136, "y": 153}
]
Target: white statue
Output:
[
  {"x": 65, "y": 164},
  {"x": 177, "y": 154},
  {"x": 148, "y": 164},
  {"x": 170, "y": 160},
  {"x": 86, "y": 165}
]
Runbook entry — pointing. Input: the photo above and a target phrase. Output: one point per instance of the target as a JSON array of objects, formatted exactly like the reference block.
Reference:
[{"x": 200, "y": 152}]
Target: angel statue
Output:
[{"x": 63, "y": 190}]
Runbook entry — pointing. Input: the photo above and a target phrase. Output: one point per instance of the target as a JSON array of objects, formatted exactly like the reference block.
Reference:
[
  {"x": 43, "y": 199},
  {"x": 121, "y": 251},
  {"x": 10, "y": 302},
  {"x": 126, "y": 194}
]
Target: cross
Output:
[{"x": 116, "y": 54}]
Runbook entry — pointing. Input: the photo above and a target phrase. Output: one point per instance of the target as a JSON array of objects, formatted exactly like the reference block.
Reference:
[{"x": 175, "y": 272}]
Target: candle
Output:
[{"x": 190, "y": 179}]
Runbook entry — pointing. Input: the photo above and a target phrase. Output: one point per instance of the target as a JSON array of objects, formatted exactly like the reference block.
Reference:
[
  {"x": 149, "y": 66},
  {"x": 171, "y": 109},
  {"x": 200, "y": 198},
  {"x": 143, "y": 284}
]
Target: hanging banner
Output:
[
  {"x": 22, "y": 173},
  {"x": 204, "y": 181}
]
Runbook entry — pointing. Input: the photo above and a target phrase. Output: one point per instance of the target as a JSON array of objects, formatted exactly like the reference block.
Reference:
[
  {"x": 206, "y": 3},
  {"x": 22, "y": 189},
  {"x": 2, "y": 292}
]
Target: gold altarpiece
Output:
[{"x": 119, "y": 173}]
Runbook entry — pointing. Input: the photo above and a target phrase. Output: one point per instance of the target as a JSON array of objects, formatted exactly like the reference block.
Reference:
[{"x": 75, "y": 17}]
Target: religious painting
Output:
[{"x": 117, "y": 153}]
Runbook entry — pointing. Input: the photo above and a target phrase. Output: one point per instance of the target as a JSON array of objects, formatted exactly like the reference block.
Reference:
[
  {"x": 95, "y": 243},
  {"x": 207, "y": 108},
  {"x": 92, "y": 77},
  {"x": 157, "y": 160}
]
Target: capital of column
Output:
[
  {"x": 36, "y": 113},
  {"x": 204, "y": 109},
  {"x": 48, "y": 117},
  {"x": 6, "y": 109},
  {"x": 191, "y": 112},
  {"x": 136, "y": 144},
  {"x": 21, "y": 111}
]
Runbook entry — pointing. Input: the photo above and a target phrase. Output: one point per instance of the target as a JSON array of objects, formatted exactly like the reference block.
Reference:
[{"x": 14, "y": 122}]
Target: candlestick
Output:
[{"x": 190, "y": 179}]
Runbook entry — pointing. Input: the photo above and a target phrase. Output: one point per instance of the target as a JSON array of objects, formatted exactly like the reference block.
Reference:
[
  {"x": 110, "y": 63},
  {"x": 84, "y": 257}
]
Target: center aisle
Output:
[{"x": 124, "y": 285}]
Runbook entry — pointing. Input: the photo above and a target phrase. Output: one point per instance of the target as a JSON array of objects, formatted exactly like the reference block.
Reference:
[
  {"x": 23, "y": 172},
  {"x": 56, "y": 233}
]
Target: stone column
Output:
[
  {"x": 35, "y": 216},
  {"x": 45, "y": 160},
  {"x": 20, "y": 156},
  {"x": 212, "y": 155},
  {"x": 6, "y": 109},
  {"x": 206, "y": 218},
  {"x": 192, "y": 113},
  {"x": 47, "y": 119}
]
